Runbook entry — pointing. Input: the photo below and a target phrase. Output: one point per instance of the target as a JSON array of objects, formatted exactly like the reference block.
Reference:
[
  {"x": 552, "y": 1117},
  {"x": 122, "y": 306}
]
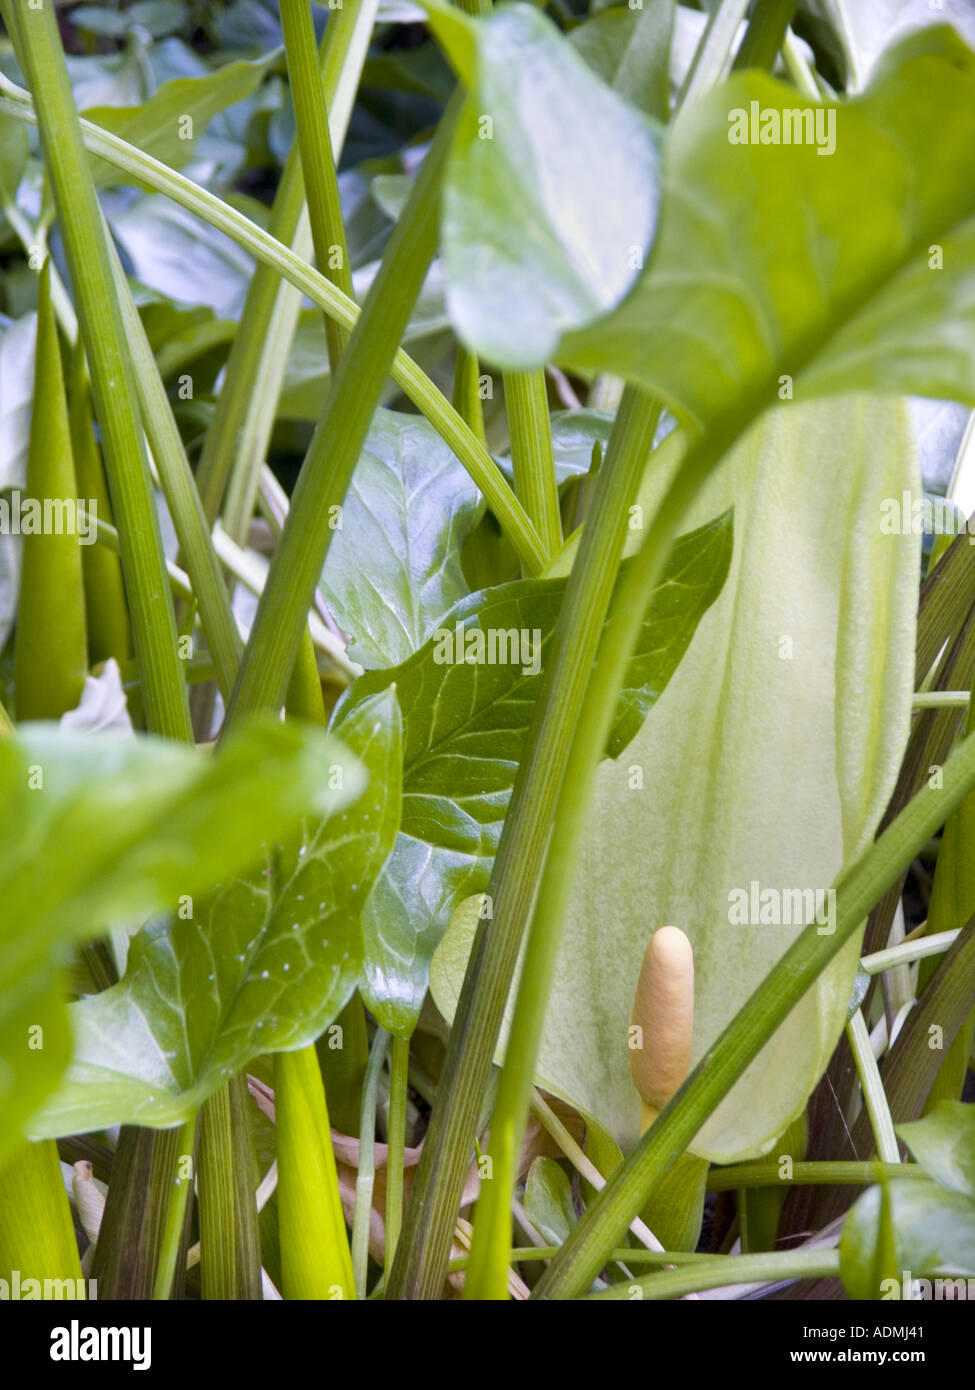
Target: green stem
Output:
[
  {"x": 109, "y": 633},
  {"x": 366, "y": 1172},
  {"x": 337, "y": 442},
  {"x": 526, "y": 398},
  {"x": 632, "y": 437},
  {"x": 747, "y": 1175},
  {"x": 770, "y": 19},
  {"x": 467, "y": 391},
  {"x": 938, "y": 699},
  {"x": 135, "y": 1224},
  {"x": 627, "y": 1254},
  {"x": 711, "y": 60},
  {"x": 912, "y": 1065},
  {"x": 230, "y": 1248},
  {"x": 946, "y": 600},
  {"x": 719, "y": 1270},
  {"x": 858, "y": 887},
  {"x": 873, "y": 1089},
  {"x": 315, "y": 1258},
  {"x": 237, "y": 440},
  {"x": 317, "y": 159},
  {"x": 803, "y": 76},
  {"x": 175, "y": 1227},
  {"x": 429, "y": 1226},
  {"x": 415, "y": 384},
  {"x": 36, "y": 1231},
  {"x": 908, "y": 951},
  {"x": 399, "y": 1062},
  {"x": 180, "y": 491},
  {"x": 38, "y": 43}
]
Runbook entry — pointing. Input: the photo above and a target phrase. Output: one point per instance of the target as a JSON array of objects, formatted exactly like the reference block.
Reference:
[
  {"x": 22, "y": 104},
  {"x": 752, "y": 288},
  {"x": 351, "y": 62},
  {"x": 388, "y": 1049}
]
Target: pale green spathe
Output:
[{"x": 756, "y": 766}]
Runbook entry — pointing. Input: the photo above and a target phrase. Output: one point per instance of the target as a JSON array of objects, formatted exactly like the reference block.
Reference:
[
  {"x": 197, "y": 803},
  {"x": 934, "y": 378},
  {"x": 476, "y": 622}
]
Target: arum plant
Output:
[{"x": 584, "y": 619}]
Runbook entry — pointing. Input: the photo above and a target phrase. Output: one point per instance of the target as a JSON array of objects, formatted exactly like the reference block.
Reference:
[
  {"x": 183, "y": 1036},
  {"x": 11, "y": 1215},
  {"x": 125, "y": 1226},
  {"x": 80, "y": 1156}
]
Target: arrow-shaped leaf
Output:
[
  {"x": 262, "y": 965},
  {"x": 95, "y": 829}
]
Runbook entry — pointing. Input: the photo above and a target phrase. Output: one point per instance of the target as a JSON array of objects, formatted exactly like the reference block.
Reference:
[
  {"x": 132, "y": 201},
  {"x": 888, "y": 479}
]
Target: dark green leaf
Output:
[
  {"x": 845, "y": 295},
  {"x": 552, "y": 191},
  {"x": 723, "y": 310},
  {"x": 944, "y": 1145},
  {"x": 393, "y": 569},
  {"x": 263, "y": 965},
  {"x": 934, "y": 1233},
  {"x": 96, "y": 830}
]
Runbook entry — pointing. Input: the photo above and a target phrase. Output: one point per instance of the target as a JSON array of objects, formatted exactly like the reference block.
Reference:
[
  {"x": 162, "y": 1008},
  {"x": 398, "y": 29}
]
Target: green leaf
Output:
[
  {"x": 551, "y": 195},
  {"x": 813, "y": 632},
  {"x": 179, "y": 336},
  {"x": 842, "y": 297},
  {"x": 95, "y": 830},
  {"x": 262, "y": 965},
  {"x": 944, "y": 1145},
  {"x": 630, "y": 50},
  {"x": 393, "y": 569},
  {"x": 548, "y": 1201},
  {"x": 168, "y": 125},
  {"x": 934, "y": 1233},
  {"x": 460, "y": 765}
]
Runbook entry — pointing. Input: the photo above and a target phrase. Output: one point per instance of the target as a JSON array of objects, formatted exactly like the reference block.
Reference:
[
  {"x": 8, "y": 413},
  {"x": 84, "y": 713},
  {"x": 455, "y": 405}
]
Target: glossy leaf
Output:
[
  {"x": 262, "y": 965},
  {"x": 943, "y": 1142},
  {"x": 846, "y": 294},
  {"x": 393, "y": 569},
  {"x": 770, "y": 759},
  {"x": 464, "y": 729},
  {"x": 934, "y": 1234},
  {"x": 552, "y": 190},
  {"x": 123, "y": 827}
]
